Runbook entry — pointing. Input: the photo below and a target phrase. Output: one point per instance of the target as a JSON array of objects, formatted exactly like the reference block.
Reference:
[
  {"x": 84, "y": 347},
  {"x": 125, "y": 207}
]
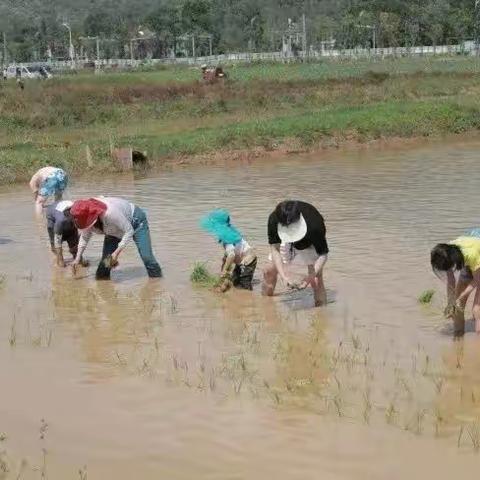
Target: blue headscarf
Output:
[{"x": 217, "y": 223}]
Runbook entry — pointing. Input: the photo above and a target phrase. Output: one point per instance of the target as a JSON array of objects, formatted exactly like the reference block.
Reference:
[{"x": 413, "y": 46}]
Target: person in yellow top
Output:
[{"x": 463, "y": 256}]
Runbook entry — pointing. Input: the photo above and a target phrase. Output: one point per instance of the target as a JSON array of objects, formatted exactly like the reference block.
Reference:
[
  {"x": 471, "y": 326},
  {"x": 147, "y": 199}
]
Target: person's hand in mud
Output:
[
  {"x": 114, "y": 258},
  {"x": 60, "y": 262},
  {"x": 452, "y": 309},
  {"x": 308, "y": 280},
  {"x": 291, "y": 285},
  {"x": 74, "y": 265}
]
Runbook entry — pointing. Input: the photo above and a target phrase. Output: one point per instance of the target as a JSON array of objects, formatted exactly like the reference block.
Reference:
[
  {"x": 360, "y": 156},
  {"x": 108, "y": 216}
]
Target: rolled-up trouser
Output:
[
  {"x": 241, "y": 275},
  {"x": 141, "y": 238}
]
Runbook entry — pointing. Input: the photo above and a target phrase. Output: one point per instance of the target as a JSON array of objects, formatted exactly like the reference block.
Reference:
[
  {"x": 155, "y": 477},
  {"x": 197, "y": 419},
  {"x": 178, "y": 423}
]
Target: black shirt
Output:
[
  {"x": 59, "y": 224},
  {"x": 316, "y": 230}
]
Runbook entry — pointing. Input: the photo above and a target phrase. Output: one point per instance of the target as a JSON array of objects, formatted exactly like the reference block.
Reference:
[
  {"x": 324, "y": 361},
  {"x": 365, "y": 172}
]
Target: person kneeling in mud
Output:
[
  {"x": 61, "y": 228},
  {"x": 296, "y": 234},
  {"x": 461, "y": 256},
  {"x": 239, "y": 260},
  {"x": 48, "y": 182},
  {"x": 119, "y": 221}
]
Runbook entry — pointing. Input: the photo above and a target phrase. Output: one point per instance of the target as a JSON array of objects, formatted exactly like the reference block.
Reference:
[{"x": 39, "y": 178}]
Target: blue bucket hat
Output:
[{"x": 217, "y": 223}]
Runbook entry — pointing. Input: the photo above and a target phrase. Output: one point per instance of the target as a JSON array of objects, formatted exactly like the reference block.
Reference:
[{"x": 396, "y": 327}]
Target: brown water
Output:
[{"x": 138, "y": 379}]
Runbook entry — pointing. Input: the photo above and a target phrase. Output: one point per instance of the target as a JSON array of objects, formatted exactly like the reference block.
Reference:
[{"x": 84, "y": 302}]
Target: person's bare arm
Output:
[
  {"x": 451, "y": 287},
  {"x": 317, "y": 269},
  {"x": 228, "y": 261},
  {"x": 475, "y": 283},
  {"x": 277, "y": 261}
]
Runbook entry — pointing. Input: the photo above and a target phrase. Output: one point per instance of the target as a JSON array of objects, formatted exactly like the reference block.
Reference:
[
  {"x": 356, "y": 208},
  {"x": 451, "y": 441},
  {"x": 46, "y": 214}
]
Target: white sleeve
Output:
[
  {"x": 85, "y": 237},
  {"x": 229, "y": 249},
  {"x": 118, "y": 219}
]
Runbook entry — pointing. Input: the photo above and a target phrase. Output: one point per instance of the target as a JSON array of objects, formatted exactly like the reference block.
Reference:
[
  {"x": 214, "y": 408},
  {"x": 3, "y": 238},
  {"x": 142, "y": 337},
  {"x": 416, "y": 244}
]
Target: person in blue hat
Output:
[{"x": 239, "y": 260}]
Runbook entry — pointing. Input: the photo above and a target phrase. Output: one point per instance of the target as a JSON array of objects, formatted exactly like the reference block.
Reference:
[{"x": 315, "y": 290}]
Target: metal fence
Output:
[{"x": 467, "y": 48}]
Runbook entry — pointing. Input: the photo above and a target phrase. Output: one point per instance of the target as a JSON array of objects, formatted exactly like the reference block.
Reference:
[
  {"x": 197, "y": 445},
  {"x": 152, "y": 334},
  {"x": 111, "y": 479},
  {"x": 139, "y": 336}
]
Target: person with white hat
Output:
[
  {"x": 61, "y": 228},
  {"x": 296, "y": 234}
]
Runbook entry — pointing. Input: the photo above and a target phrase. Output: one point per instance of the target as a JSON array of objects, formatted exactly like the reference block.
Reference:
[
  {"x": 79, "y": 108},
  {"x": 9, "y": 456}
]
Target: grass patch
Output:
[
  {"x": 202, "y": 277},
  {"x": 170, "y": 113}
]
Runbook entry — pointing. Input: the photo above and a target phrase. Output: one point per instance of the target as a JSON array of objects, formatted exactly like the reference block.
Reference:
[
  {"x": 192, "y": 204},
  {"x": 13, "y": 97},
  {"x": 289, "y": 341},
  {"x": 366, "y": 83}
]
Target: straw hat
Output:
[
  {"x": 63, "y": 205},
  {"x": 294, "y": 232}
]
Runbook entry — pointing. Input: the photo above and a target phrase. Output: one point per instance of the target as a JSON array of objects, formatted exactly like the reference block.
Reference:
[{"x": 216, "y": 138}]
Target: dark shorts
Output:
[
  {"x": 466, "y": 274},
  {"x": 71, "y": 238},
  {"x": 242, "y": 276}
]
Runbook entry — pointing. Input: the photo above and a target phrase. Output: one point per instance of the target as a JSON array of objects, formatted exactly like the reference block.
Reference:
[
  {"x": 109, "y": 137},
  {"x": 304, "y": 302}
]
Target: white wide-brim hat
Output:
[
  {"x": 63, "y": 205},
  {"x": 293, "y": 232}
]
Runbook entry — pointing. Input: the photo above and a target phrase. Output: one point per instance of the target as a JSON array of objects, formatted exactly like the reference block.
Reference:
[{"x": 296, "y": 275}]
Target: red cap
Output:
[{"x": 86, "y": 212}]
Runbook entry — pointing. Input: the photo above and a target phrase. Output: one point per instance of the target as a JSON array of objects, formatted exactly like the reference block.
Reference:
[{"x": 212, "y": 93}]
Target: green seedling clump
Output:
[
  {"x": 426, "y": 296},
  {"x": 202, "y": 277}
]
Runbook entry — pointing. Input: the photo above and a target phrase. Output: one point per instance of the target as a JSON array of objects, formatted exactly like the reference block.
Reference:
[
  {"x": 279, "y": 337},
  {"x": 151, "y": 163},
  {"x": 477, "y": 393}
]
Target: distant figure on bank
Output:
[
  {"x": 296, "y": 234},
  {"x": 120, "y": 221},
  {"x": 463, "y": 256},
  {"x": 211, "y": 75},
  {"x": 5, "y": 76},
  {"x": 18, "y": 77},
  {"x": 48, "y": 182},
  {"x": 239, "y": 259},
  {"x": 61, "y": 228}
]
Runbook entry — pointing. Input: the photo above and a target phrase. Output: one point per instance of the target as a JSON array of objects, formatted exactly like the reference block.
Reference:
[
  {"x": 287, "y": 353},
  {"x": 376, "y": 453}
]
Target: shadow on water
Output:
[{"x": 5, "y": 241}]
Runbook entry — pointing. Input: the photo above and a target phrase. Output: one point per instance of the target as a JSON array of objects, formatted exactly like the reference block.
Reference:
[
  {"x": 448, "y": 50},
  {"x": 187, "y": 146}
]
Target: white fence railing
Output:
[{"x": 466, "y": 48}]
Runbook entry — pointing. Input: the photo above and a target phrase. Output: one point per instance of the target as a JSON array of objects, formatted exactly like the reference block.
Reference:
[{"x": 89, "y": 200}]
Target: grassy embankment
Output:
[{"x": 170, "y": 114}]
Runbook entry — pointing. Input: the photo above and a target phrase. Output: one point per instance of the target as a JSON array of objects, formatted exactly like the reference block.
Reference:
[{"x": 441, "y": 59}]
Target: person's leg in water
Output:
[
  {"x": 144, "y": 243},
  {"x": 270, "y": 277},
  {"x": 40, "y": 204},
  {"x": 476, "y": 310},
  {"x": 318, "y": 287},
  {"x": 110, "y": 244},
  {"x": 459, "y": 313}
]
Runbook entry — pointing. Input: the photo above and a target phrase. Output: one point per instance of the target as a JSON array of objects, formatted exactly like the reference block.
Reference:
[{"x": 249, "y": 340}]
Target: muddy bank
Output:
[{"x": 274, "y": 151}]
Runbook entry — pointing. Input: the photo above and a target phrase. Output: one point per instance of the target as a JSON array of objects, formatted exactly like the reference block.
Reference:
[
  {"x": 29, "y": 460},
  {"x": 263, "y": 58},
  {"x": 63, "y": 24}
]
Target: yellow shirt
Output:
[{"x": 470, "y": 248}]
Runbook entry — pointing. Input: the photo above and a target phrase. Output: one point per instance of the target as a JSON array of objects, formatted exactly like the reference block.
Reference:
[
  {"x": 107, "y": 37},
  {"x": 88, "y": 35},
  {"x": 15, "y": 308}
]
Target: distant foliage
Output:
[{"x": 34, "y": 29}]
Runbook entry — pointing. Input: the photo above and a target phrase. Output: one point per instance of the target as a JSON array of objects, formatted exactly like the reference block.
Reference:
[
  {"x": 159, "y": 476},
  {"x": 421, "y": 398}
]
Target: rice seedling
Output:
[
  {"x": 390, "y": 413},
  {"x": 473, "y": 431},
  {"x": 202, "y": 277},
  {"x": 82, "y": 473},
  {"x": 338, "y": 403},
  {"x": 367, "y": 408},
  {"x": 426, "y": 297}
]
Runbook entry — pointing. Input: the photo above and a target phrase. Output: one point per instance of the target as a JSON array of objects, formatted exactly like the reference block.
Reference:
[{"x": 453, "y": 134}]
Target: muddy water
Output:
[{"x": 138, "y": 379}]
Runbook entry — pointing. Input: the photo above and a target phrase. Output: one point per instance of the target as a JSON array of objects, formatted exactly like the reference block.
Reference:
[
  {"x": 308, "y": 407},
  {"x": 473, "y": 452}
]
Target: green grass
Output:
[{"x": 169, "y": 113}]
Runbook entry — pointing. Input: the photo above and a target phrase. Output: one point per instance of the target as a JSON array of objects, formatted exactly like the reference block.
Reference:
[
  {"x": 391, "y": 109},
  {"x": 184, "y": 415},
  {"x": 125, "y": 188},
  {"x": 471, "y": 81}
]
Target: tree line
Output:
[{"x": 38, "y": 29}]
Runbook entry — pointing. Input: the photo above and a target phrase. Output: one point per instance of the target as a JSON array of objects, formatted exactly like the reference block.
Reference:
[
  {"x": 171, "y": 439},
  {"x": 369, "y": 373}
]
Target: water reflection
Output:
[{"x": 163, "y": 372}]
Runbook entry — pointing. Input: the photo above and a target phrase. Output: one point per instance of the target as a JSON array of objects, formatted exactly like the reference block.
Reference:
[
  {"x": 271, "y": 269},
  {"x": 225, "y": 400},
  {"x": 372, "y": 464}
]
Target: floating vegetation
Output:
[
  {"x": 202, "y": 277},
  {"x": 426, "y": 297}
]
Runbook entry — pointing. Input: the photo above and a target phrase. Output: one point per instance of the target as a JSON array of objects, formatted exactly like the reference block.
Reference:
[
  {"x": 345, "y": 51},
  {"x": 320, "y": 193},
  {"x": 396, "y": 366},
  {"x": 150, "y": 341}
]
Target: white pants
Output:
[{"x": 291, "y": 256}]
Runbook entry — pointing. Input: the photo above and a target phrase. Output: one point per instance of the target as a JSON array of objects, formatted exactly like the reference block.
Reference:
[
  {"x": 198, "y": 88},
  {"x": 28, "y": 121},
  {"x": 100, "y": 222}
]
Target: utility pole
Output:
[
  {"x": 304, "y": 40},
  {"x": 210, "y": 44},
  {"x": 477, "y": 26},
  {"x": 193, "y": 46},
  {"x": 98, "y": 48},
  {"x": 4, "y": 49}
]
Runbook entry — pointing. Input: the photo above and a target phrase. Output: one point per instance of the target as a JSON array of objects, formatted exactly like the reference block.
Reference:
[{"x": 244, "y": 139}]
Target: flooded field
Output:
[{"x": 138, "y": 379}]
